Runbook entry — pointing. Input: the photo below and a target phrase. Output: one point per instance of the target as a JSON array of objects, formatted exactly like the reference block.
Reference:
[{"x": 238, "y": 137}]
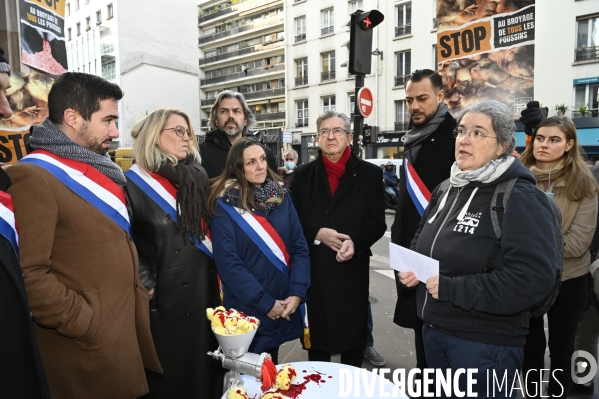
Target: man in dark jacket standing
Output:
[
  {"x": 429, "y": 148},
  {"x": 230, "y": 119},
  {"x": 340, "y": 205},
  {"x": 21, "y": 371}
]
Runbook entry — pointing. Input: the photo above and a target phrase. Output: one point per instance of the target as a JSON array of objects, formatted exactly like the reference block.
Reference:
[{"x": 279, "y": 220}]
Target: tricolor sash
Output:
[
  {"x": 8, "y": 226},
  {"x": 272, "y": 246},
  {"x": 87, "y": 182},
  {"x": 416, "y": 188},
  {"x": 164, "y": 194}
]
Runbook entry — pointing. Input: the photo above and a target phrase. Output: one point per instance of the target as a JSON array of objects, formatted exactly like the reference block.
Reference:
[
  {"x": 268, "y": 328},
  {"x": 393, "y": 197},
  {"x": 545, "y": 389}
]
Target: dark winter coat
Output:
[
  {"x": 472, "y": 304},
  {"x": 433, "y": 163},
  {"x": 21, "y": 371},
  {"x": 251, "y": 282},
  {"x": 338, "y": 296},
  {"x": 391, "y": 179},
  {"x": 185, "y": 284},
  {"x": 215, "y": 149}
]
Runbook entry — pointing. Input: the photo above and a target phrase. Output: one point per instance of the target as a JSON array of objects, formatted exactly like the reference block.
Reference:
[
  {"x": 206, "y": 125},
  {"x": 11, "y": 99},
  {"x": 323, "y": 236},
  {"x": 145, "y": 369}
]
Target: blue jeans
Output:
[
  {"x": 444, "y": 351},
  {"x": 369, "y": 327}
]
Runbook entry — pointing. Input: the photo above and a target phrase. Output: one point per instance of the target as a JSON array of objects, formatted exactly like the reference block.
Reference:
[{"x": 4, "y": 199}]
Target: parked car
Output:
[{"x": 390, "y": 198}]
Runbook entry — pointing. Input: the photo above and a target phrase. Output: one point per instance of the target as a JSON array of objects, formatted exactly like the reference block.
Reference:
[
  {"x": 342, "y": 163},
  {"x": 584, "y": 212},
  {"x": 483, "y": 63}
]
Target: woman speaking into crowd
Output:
[
  {"x": 554, "y": 158},
  {"x": 472, "y": 312},
  {"x": 167, "y": 191},
  {"x": 259, "y": 246}
]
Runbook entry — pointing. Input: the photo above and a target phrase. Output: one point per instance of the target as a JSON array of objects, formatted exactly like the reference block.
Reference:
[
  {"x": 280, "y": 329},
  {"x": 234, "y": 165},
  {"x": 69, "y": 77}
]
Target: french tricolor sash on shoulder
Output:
[
  {"x": 416, "y": 188},
  {"x": 272, "y": 246},
  {"x": 8, "y": 226},
  {"x": 87, "y": 182},
  {"x": 164, "y": 194}
]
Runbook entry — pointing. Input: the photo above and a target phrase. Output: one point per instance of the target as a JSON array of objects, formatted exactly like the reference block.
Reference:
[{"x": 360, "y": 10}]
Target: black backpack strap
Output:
[{"x": 498, "y": 208}]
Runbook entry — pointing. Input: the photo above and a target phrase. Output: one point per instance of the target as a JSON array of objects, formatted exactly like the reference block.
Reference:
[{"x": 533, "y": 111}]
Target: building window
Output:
[
  {"x": 403, "y": 67},
  {"x": 68, "y": 9},
  {"x": 69, "y": 34},
  {"x": 586, "y": 94},
  {"x": 78, "y": 28},
  {"x": 328, "y": 21},
  {"x": 301, "y": 72},
  {"x": 328, "y": 66},
  {"x": 355, "y": 5},
  {"x": 403, "y": 12},
  {"x": 88, "y": 23},
  {"x": 109, "y": 71},
  {"x": 587, "y": 39},
  {"x": 98, "y": 17},
  {"x": 76, "y": 5},
  {"x": 328, "y": 103},
  {"x": 401, "y": 116},
  {"x": 300, "y": 29},
  {"x": 109, "y": 11},
  {"x": 352, "y": 103},
  {"x": 302, "y": 113},
  {"x": 435, "y": 62}
]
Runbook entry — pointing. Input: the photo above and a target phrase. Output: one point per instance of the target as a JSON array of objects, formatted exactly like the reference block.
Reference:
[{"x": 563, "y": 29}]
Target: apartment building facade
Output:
[
  {"x": 148, "y": 49},
  {"x": 242, "y": 48}
]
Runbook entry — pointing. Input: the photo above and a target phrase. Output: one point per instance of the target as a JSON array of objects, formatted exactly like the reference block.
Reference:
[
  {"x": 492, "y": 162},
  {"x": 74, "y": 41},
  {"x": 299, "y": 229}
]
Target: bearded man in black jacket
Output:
[
  {"x": 230, "y": 119},
  {"x": 429, "y": 147}
]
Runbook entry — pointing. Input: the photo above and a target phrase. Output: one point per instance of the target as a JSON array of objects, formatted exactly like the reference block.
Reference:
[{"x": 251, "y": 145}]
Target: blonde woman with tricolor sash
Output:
[
  {"x": 167, "y": 192},
  {"x": 259, "y": 247}
]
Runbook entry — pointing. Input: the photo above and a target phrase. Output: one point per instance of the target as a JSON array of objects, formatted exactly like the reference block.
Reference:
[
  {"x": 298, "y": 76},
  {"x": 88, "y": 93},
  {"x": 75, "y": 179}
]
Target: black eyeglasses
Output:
[
  {"x": 337, "y": 132},
  {"x": 180, "y": 131}
]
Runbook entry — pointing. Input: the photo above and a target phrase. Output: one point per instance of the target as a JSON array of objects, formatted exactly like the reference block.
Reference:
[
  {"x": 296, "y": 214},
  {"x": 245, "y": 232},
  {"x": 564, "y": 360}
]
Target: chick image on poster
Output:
[
  {"x": 28, "y": 99},
  {"x": 485, "y": 50}
]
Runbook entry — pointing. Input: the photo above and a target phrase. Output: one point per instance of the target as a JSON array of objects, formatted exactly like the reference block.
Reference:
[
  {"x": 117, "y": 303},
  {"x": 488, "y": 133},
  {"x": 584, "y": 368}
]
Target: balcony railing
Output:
[
  {"x": 301, "y": 81},
  {"x": 300, "y": 38},
  {"x": 270, "y": 117},
  {"x": 403, "y": 30},
  {"x": 401, "y": 126},
  {"x": 434, "y": 23},
  {"x": 238, "y": 52},
  {"x": 324, "y": 76},
  {"x": 401, "y": 80},
  {"x": 207, "y": 102},
  {"x": 217, "y": 11},
  {"x": 591, "y": 113},
  {"x": 327, "y": 30},
  {"x": 264, "y": 93},
  {"x": 586, "y": 54},
  {"x": 241, "y": 75},
  {"x": 301, "y": 124},
  {"x": 204, "y": 123},
  {"x": 226, "y": 33}
]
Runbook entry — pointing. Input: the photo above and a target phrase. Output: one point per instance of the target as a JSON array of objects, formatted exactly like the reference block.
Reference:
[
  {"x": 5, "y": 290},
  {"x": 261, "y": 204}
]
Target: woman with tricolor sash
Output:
[
  {"x": 167, "y": 192},
  {"x": 259, "y": 248}
]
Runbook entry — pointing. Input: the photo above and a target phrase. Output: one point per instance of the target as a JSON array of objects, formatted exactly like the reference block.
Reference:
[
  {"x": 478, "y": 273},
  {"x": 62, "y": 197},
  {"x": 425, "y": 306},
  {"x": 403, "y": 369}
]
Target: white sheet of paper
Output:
[{"x": 406, "y": 260}]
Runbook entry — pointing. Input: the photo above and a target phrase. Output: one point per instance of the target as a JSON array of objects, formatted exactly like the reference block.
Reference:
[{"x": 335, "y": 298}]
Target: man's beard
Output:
[
  {"x": 427, "y": 119},
  {"x": 88, "y": 141},
  {"x": 236, "y": 131}
]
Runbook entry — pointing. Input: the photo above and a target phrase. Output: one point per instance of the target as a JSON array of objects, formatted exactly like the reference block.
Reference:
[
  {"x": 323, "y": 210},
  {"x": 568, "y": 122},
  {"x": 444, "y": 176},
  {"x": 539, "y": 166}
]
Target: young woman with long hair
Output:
[
  {"x": 259, "y": 247},
  {"x": 554, "y": 158}
]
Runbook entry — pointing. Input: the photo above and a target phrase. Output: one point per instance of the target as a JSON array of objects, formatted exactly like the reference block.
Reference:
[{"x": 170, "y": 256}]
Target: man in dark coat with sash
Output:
[
  {"x": 339, "y": 200},
  {"x": 21, "y": 371},
  {"x": 429, "y": 152}
]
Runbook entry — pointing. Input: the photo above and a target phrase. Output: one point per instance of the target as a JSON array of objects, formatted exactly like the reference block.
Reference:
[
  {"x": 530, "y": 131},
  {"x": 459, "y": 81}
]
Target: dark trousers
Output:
[
  {"x": 369, "y": 328},
  {"x": 351, "y": 358},
  {"x": 419, "y": 343},
  {"x": 274, "y": 354},
  {"x": 446, "y": 352},
  {"x": 562, "y": 319}
]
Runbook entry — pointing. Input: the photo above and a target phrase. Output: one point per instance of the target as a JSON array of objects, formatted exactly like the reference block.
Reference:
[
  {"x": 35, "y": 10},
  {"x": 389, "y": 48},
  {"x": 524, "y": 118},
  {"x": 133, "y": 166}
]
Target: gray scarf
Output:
[
  {"x": 415, "y": 136},
  {"x": 49, "y": 137}
]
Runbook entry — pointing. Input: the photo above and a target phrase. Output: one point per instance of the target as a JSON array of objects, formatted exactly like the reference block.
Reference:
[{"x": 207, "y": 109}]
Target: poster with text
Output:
[
  {"x": 485, "y": 51},
  {"x": 28, "y": 99},
  {"x": 42, "y": 35}
]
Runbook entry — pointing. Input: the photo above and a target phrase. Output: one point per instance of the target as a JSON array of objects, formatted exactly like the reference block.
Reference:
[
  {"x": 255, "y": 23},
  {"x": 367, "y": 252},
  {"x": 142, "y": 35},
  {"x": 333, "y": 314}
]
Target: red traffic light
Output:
[{"x": 370, "y": 19}]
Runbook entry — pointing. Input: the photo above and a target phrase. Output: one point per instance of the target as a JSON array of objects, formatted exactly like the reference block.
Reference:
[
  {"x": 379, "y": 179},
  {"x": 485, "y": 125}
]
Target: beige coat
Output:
[{"x": 82, "y": 280}]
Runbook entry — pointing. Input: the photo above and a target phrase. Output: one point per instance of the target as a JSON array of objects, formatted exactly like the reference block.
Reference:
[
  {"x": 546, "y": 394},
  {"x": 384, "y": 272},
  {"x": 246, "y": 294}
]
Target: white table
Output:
[{"x": 340, "y": 381}]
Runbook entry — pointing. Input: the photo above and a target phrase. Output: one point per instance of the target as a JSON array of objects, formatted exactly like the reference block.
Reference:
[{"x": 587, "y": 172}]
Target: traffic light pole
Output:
[{"x": 358, "y": 119}]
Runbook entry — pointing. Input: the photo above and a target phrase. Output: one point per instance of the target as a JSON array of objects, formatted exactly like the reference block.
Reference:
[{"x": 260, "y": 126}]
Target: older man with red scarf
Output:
[{"x": 339, "y": 200}]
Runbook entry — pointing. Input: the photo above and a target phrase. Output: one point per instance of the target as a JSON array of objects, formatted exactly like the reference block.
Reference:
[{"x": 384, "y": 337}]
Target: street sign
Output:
[
  {"x": 365, "y": 102},
  {"x": 286, "y": 137}
]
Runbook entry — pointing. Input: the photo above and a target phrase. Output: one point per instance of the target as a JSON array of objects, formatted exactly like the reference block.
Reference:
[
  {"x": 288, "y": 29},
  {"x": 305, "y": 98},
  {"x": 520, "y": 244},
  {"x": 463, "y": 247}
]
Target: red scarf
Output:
[{"x": 335, "y": 170}]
